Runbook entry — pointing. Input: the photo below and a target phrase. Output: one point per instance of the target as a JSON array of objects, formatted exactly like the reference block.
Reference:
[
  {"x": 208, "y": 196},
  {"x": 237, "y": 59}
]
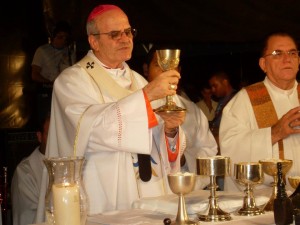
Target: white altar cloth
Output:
[
  {"x": 146, "y": 217},
  {"x": 152, "y": 211},
  {"x": 197, "y": 201}
]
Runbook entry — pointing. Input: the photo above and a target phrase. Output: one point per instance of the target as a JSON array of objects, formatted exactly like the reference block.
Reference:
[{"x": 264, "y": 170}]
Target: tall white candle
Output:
[{"x": 66, "y": 204}]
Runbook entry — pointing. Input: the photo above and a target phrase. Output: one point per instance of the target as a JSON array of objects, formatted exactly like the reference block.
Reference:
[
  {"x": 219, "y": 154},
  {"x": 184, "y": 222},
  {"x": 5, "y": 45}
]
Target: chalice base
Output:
[
  {"x": 187, "y": 222},
  {"x": 250, "y": 211},
  {"x": 216, "y": 215},
  {"x": 169, "y": 109}
]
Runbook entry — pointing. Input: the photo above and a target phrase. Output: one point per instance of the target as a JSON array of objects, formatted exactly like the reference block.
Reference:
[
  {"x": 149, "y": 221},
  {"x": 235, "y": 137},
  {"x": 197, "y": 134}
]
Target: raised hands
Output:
[
  {"x": 287, "y": 125},
  {"x": 163, "y": 85}
]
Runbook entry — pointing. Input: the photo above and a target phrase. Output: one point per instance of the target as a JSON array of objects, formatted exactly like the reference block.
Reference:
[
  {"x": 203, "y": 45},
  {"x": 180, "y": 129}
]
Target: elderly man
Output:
[
  {"x": 261, "y": 121},
  {"x": 102, "y": 108}
]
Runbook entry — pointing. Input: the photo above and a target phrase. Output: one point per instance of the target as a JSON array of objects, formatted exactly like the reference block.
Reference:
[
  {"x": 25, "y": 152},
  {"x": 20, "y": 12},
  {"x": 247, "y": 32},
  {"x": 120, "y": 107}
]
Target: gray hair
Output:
[{"x": 91, "y": 27}]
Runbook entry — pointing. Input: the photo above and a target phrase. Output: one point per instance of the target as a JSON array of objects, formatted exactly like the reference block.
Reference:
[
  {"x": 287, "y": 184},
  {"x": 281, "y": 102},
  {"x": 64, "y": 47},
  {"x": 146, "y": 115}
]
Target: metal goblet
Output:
[
  {"x": 294, "y": 181},
  {"x": 269, "y": 167},
  {"x": 181, "y": 184},
  {"x": 212, "y": 167},
  {"x": 168, "y": 59},
  {"x": 249, "y": 174}
]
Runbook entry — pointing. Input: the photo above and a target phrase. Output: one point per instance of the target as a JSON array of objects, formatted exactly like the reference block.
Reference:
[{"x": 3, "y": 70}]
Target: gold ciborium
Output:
[
  {"x": 269, "y": 167},
  {"x": 182, "y": 184},
  {"x": 212, "y": 167},
  {"x": 248, "y": 174},
  {"x": 168, "y": 59}
]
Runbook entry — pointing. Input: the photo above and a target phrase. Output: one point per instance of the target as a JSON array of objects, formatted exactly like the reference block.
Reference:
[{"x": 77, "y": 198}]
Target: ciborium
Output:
[
  {"x": 248, "y": 174},
  {"x": 182, "y": 184},
  {"x": 269, "y": 167},
  {"x": 212, "y": 167},
  {"x": 168, "y": 59}
]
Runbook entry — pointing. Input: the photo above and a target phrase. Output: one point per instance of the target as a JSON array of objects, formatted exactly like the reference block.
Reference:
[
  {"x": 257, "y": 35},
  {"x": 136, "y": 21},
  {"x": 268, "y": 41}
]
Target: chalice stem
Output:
[
  {"x": 181, "y": 214},
  {"x": 169, "y": 100},
  {"x": 249, "y": 202},
  {"x": 213, "y": 205},
  {"x": 213, "y": 186}
]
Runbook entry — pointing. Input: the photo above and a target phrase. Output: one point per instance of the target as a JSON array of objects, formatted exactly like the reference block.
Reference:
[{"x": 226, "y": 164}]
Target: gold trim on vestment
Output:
[{"x": 264, "y": 110}]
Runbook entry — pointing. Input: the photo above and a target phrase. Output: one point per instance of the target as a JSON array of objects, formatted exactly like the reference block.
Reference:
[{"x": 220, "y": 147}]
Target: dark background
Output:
[{"x": 211, "y": 34}]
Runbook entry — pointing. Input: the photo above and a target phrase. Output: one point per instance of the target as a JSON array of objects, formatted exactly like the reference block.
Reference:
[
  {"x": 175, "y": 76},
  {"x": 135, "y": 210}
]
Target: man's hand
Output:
[
  {"x": 287, "y": 125},
  {"x": 172, "y": 121},
  {"x": 163, "y": 85}
]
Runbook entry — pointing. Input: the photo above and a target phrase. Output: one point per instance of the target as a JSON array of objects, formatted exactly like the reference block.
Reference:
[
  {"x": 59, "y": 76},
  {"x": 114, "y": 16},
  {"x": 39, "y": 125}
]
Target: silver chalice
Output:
[
  {"x": 182, "y": 184},
  {"x": 212, "y": 167},
  {"x": 249, "y": 174}
]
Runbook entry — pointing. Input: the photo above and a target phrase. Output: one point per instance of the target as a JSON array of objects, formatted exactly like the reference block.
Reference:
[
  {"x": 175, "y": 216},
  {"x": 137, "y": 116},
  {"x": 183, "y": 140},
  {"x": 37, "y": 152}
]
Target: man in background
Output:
[
  {"x": 222, "y": 89},
  {"x": 26, "y": 181}
]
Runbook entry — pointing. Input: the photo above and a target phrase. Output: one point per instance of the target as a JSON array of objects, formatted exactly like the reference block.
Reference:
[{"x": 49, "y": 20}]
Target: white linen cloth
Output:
[
  {"x": 152, "y": 211},
  {"x": 242, "y": 141},
  {"x": 197, "y": 201},
  {"x": 143, "y": 217}
]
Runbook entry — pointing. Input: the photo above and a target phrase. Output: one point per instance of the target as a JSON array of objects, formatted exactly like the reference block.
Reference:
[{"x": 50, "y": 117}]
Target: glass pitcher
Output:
[{"x": 65, "y": 201}]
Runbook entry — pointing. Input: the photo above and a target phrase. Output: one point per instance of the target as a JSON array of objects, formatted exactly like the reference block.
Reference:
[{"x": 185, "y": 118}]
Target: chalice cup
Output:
[
  {"x": 168, "y": 59},
  {"x": 249, "y": 174},
  {"x": 269, "y": 167},
  {"x": 212, "y": 167},
  {"x": 182, "y": 184},
  {"x": 294, "y": 181}
]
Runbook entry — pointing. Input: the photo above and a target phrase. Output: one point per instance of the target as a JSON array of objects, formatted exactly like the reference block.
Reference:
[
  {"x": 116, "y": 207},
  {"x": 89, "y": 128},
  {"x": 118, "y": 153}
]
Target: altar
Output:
[{"x": 152, "y": 211}]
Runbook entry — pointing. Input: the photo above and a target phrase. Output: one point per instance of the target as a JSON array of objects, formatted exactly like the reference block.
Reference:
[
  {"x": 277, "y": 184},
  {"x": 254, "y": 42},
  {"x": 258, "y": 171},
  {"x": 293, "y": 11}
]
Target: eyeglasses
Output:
[
  {"x": 278, "y": 54},
  {"x": 117, "y": 34}
]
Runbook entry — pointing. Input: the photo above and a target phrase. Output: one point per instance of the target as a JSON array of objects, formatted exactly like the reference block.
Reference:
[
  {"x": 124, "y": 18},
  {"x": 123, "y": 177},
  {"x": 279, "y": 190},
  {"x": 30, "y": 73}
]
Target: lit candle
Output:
[{"x": 66, "y": 204}]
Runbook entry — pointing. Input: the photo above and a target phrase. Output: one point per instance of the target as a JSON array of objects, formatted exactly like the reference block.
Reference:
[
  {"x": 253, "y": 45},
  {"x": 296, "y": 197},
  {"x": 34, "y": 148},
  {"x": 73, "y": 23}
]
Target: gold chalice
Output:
[
  {"x": 212, "y": 167},
  {"x": 168, "y": 59},
  {"x": 248, "y": 174},
  {"x": 182, "y": 184},
  {"x": 269, "y": 167},
  {"x": 294, "y": 181}
]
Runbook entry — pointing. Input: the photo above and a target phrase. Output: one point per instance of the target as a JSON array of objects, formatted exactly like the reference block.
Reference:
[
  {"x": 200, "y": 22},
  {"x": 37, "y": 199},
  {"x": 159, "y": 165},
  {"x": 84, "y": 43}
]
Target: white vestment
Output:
[
  {"x": 243, "y": 141},
  {"x": 111, "y": 132},
  {"x": 210, "y": 114},
  {"x": 199, "y": 143},
  {"x": 25, "y": 188}
]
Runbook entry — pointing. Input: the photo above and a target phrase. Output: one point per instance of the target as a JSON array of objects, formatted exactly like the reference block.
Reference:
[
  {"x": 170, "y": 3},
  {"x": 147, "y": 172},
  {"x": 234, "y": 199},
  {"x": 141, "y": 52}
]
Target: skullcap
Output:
[{"x": 98, "y": 10}]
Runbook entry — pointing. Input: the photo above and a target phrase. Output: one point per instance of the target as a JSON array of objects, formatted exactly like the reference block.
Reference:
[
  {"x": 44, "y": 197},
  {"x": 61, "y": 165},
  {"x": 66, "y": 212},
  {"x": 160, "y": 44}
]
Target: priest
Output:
[
  {"x": 262, "y": 120},
  {"x": 101, "y": 109}
]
